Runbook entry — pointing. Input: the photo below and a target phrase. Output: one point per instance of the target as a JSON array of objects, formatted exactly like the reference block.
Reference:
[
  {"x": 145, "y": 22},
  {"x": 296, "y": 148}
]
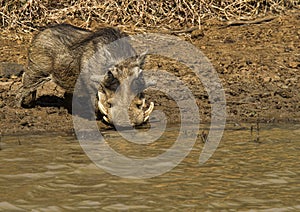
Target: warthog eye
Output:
[
  {"x": 111, "y": 82},
  {"x": 141, "y": 95}
]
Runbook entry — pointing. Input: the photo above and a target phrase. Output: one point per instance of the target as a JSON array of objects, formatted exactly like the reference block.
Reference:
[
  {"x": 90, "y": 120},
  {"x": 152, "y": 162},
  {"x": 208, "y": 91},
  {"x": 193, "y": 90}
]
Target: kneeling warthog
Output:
[{"x": 60, "y": 53}]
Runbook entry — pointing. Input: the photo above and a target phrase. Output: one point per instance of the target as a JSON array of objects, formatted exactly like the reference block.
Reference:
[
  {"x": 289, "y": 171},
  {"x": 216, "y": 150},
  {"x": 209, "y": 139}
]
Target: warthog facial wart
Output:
[{"x": 113, "y": 73}]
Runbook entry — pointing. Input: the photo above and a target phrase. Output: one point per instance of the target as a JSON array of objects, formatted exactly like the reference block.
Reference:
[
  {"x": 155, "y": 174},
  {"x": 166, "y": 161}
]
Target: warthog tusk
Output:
[
  {"x": 105, "y": 119},
  {"x": 149, "y": 111},
  {"x": 143, "y": 104},
  {"x": 146, "y": 118},
  {"x": 101, "y": 96},
  {"x": 101, "y": 107}
]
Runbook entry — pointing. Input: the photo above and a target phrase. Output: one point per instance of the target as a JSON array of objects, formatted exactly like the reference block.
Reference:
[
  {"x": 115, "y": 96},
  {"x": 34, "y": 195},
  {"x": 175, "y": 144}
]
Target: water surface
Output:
[{"x": 52, "y": 173}]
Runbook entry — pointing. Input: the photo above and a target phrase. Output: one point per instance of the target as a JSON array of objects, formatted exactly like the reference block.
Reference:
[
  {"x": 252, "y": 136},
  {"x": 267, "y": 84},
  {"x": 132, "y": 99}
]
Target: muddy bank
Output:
[{"x": 258, "y": 65}]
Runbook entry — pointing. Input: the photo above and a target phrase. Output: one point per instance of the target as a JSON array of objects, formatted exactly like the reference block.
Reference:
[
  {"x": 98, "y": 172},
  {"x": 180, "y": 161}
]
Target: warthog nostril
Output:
[{"x": 139, "y": 106}]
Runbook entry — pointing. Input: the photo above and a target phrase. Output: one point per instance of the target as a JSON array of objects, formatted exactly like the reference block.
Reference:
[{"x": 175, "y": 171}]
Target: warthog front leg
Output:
[{"x": 26, "y": 95}]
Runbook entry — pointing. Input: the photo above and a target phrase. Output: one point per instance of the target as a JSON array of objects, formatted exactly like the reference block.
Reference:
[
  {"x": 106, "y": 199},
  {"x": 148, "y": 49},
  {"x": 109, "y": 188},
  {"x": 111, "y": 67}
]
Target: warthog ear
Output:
[{"x": 141, "y": 58}]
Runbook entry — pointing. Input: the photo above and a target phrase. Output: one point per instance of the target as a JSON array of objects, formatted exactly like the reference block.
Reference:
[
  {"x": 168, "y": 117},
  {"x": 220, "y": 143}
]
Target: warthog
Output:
[{"x": 113, "y": 70}]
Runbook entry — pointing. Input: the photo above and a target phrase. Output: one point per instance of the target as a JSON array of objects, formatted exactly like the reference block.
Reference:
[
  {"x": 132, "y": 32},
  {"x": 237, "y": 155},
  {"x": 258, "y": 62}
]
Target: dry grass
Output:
[{"x": 28, "y": 15}]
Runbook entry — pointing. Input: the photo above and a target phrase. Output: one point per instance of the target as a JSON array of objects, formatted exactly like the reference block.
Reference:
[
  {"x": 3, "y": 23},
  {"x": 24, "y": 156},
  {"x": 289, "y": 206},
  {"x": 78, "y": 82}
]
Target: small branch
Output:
[
  {"x": 181, "y": 31},
  {"x": 257, "y": 130},
  {"x": 246, "y": 22},
  {"x": 203, "y": 136}
]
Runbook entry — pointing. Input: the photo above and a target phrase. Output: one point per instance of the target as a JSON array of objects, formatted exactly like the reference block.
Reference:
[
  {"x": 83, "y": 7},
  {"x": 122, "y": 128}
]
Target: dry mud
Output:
[{"x": 258, "y": 65}]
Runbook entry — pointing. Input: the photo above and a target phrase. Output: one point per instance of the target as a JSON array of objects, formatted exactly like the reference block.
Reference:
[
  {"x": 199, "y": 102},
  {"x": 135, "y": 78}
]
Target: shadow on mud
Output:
[{"x": 51, "y": 101}]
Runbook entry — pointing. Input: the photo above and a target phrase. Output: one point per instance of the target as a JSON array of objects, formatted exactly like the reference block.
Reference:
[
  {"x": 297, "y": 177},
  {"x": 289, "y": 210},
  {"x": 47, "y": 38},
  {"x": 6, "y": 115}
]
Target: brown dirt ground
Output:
[{"x": 258, "y": 65}]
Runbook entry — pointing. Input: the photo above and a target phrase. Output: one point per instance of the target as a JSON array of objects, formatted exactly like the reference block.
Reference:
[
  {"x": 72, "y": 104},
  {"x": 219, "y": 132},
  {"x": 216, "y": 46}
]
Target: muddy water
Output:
[{"x": 52, "y": 173}]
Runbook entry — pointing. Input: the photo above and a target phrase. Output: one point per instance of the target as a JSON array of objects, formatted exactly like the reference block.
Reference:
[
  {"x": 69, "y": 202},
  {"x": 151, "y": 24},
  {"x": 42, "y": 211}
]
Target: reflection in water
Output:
[{"x": 52, "y": 173}]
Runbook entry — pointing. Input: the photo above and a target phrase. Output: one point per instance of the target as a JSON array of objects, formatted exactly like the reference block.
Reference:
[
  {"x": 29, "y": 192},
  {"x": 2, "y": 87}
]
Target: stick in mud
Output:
[
  {"x": 203, "y": 137},
  {"x": 248, "y": 22},
  {"x": 19, "y": 141},
  {"x": 0, "y": 142},
  {"x": 257, "y": 131}
]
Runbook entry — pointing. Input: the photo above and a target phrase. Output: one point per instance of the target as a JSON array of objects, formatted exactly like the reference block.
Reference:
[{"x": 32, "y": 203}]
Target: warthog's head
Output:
[{"x": 121, "y": 100}]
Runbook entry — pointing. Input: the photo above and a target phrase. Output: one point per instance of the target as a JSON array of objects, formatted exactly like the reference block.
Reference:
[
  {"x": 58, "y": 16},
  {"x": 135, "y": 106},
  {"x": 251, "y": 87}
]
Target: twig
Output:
[
  {"x": 229, "y": 23},
  {"x": 203, "y": 136},
  {"x": 181, "y": 31},
  {"x": 257, "y": 131},
  {"x": 248, "y": 22}
]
